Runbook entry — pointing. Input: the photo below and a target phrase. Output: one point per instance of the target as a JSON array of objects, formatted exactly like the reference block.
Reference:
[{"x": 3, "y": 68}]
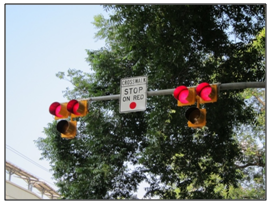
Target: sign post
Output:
[{"x": 133, "y": 94}]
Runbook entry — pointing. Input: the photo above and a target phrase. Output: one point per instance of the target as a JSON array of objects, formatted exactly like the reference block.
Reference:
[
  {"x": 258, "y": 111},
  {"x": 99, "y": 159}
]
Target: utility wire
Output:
[
  {"x": 30, "y": 160},
  {"x": 26, "y": 158}
]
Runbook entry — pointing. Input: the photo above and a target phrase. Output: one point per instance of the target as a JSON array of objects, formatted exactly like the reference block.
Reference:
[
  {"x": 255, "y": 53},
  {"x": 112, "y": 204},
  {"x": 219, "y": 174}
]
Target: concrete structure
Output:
[{"x": 14, "y": 191}]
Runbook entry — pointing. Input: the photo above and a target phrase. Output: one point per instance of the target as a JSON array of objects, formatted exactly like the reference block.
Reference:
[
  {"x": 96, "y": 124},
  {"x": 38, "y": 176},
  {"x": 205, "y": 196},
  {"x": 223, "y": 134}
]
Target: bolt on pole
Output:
[{"x": 223, "y": 86}]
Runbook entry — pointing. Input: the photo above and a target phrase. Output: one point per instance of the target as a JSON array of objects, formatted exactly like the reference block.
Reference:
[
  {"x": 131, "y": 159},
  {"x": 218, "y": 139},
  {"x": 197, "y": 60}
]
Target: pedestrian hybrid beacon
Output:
[
  {"x": 63, "y": 111},
  {"x": 203, "y": 93}
]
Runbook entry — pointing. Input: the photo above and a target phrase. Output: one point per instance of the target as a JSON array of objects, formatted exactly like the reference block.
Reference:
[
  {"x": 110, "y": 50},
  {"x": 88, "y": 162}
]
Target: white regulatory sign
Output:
[{"x": 133, "y": 94}]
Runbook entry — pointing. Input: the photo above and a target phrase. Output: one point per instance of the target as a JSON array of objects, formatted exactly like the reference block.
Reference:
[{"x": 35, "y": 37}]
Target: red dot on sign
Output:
[{"x": 132, "y": 105}]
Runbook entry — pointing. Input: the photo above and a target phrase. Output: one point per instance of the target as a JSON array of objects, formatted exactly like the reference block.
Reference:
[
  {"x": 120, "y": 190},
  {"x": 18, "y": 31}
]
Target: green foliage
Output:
[
  {"x": 173, "y": 45},
  {"x": 251, "y": 139},
  {"x": 259, "y": 43}
]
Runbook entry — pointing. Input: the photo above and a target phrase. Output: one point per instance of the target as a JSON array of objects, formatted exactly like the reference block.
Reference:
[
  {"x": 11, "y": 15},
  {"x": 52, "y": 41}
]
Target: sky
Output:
[{"x": 41, "y": 40}]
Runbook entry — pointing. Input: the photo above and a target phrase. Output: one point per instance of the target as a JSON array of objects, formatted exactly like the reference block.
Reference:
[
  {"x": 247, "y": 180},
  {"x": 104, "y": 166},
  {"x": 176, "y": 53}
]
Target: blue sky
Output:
[{"x": 41, "y": 40}]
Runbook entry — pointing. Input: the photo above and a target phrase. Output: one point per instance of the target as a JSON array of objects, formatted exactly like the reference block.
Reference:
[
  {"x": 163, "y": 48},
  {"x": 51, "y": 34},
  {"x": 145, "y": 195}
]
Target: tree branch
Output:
[
  {"x": 250, "y": 164},
  {"x": 259, "y": 99}
]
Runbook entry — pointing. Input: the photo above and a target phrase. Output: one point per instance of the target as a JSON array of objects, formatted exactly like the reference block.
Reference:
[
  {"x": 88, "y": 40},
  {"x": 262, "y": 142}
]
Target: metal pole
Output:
[
  {"x": 224, "y": 86},
  {"x": 160, "y": 92},
  {"x": 242, "y": 85},
  {"x": 102, "y": 98}
]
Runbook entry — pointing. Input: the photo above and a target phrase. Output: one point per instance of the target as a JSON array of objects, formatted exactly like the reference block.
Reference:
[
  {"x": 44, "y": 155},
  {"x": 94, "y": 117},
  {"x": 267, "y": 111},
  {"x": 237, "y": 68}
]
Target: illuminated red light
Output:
[
  {"x": 181, "y": 93},
  {"x": 55, "y": 109},
  {"x": 204, "y": 90},
  {"x": 73, "y": 107}
]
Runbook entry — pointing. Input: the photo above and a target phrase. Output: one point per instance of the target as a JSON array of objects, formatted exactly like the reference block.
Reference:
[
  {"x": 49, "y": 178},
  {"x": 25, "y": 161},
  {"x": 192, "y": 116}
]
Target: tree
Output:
[
  {"x": 251, "y": 139},
  {"x": 172, "y": 45}
]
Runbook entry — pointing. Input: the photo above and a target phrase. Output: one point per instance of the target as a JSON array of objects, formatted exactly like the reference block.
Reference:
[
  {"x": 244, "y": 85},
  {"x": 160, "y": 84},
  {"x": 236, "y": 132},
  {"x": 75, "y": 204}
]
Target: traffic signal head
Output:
[
  {"x": 207, "y": 93},
  {"x": 185, "y": 96},
  {"x": 67, "y": 128},
  {"x": 196, "y": 117},
  {"x": 73, "y": 108},
  {"x": 59, "y": 110},
  {"x": 77, "y": 108}
]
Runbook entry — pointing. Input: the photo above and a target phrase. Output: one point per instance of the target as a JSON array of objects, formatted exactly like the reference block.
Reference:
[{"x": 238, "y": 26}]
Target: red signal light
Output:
[
  {"x": 77, "y": 108},
  {"x": 185, "y": 96},
  {"x": 204, "y": 90},
  {"x": 181, "y": 93},
  {"x": 207, "y": 92},
  {"x": 59, "y": 110},
  {"x": 73, "y": 106}
]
